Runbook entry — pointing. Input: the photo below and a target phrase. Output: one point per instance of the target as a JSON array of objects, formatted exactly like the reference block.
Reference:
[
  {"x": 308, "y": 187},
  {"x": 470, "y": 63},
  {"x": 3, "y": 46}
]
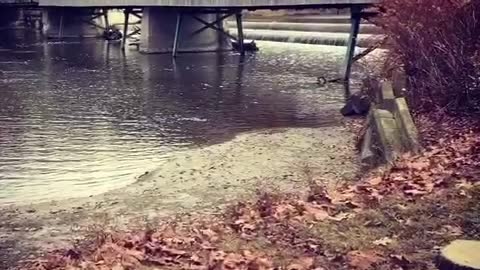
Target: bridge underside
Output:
[
  {"x": 172, "y": 26},
  {"x": 8, "y": 16},
  {"x": 245, "y": 4},
  {"x": 164, "y": 31},
  {"x": 18, "y": 3},
  {"x": 72, "y": 22}
]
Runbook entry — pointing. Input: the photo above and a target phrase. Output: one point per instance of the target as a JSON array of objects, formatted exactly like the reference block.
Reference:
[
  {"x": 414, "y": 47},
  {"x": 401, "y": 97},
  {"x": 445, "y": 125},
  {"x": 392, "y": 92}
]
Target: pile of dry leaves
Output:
[{"x": 379, "y": 222}]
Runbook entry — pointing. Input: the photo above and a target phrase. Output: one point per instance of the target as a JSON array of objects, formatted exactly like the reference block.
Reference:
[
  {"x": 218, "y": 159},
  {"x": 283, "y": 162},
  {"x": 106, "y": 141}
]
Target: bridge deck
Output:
[
  {"x": 207, "y": 3},
  {"x": 18, "y": 2}
]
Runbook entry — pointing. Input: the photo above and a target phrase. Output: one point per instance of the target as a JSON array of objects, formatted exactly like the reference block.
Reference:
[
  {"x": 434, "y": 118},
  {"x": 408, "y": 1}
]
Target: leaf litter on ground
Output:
[{"x": 384, "y": 210}]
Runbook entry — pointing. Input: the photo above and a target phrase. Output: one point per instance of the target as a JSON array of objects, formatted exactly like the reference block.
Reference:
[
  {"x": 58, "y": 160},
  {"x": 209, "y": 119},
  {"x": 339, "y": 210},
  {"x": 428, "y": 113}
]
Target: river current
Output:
[{"x": 78, "y": 118}]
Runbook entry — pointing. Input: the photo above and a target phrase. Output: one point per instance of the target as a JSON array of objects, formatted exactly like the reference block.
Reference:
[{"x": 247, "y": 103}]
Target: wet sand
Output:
[{"x": 201, "y": 180}]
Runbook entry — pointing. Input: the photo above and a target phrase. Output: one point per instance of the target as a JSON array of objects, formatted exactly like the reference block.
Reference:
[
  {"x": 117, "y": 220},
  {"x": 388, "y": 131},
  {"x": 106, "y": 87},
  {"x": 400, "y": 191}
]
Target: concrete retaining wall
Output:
[{"x": 390, "y": 130}]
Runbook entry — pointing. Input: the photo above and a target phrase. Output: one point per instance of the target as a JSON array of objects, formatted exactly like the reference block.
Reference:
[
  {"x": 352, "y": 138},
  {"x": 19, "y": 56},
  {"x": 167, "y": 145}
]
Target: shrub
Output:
[{"x": 437, "y": 42}]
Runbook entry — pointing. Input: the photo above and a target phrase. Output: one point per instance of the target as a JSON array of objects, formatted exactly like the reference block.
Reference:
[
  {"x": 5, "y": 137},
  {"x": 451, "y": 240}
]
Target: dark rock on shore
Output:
[{"x": 357, "y": 104}]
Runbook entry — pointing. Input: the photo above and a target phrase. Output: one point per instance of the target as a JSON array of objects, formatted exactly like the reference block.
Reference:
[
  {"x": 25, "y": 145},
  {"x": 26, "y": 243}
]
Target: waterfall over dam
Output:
[{"x": 307, "y": 29}]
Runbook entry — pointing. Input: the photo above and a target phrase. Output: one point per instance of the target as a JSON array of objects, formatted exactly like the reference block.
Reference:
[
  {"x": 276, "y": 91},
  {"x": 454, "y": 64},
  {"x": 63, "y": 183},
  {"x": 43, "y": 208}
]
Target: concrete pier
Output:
[
  {"x": 159, "y": 27},
  {"x": 9, "y": 16},
  {"x": 71, "y": 23}
]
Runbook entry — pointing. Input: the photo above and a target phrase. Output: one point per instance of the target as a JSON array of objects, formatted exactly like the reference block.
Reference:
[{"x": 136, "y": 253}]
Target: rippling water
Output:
[{"x": 81, "y": 118}]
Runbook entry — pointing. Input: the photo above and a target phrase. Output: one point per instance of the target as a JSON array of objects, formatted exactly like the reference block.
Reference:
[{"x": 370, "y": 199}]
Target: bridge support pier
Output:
[
  {"x": 72, "y": 22},
  {"x": 166, "y": 30},
  {"x": 241, "y": 39},
  {"x": 10, "y": 17}
]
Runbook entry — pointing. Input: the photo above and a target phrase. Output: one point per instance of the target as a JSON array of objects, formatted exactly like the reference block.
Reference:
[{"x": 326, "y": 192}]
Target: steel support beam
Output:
[
  {"x": 60, "y": 28},
  {"x": 239, "y": 19},
  {"x": 105, "y": 16},
  {"x": 134, "y": 32},
  {"x": 135, "y": 13},
  {"x": 177, "y": 33},
  {"x": 212, "y": 26},
  {"x": 356, "y": 16},
  {"x": 126, "y": 13}
]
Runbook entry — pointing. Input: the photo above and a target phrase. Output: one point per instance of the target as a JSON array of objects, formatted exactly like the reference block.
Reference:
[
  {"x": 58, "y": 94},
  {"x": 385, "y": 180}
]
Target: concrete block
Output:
[
  {"x": 408, "y": 130},
  {"x": 460, "y": 255},
  {"x": 399, "y": 82},
  {"x": 367, "y": 154},
  {"x": 388, "y": 134},
  {"x": 387, "y": 96}
]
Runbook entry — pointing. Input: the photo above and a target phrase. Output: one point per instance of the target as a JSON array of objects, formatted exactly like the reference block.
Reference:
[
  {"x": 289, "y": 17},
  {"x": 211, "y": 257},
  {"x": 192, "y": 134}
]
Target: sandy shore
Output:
[{"x": 193, "y": 181}]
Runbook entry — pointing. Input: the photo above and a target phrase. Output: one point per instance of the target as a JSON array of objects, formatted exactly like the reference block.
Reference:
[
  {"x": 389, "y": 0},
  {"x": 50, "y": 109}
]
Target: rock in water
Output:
[{"x": 460, "y": 255}]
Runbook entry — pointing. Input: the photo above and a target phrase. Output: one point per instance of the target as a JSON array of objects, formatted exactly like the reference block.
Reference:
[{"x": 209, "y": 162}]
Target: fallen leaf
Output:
[
  {"x": 195, "y": 259},
  {"x": 317, "y": 213},
  {"x": 260, "y": 264},
  {"x": 415, "y": 192},
  {"x": 375, "y": 181},
  {"x": 385, "y": 241},
  {"x": 118, "y": 267},
  {"x": 341, "y": 216},
  {"x": 401, "y": 261},
  {"x": 363, "y": 260},
  {"x": 209, "y": 233},
  {"x": 419, "y": 165},
  {"x": 452, "y": 230},
  {"x": 301, "y": 264},
  {"x": 173, "y": 252}
]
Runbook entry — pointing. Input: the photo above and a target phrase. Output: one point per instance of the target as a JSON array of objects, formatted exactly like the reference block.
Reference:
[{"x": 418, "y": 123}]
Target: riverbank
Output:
[
  {"x": 396, "y": 218},
  {"x": 196, "y": 181}
]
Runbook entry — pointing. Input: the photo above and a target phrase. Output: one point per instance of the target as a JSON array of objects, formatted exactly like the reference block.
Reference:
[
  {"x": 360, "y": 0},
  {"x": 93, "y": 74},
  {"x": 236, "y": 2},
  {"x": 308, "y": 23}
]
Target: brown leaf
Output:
[
  {"x": 419, "y": 165},
  {"x": 452, "y": 230},
  {"x": 260, "y": 264},
  {"x": 363, "y": 260},
  {"x": 118, "y": 267},
  {"x": 375, "y": 181},
  {"x": 283, "y": 210},
  {"x": 195, "y": 259},
  {"x": 301, "y": 264},
  {"x": 210, "y": 234},
  {"x": 232, "y": 260},
  {"x": 316, "y": 212},
  {"x": 341, "y": 216},
  {"x": 385, "y": 241},
  {"x": 415, "y": 192},
  {"x": 173, "y": 252}
]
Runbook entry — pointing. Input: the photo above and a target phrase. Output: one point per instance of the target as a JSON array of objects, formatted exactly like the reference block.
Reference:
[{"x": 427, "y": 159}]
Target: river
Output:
[{"x": 79, "y": 118}]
